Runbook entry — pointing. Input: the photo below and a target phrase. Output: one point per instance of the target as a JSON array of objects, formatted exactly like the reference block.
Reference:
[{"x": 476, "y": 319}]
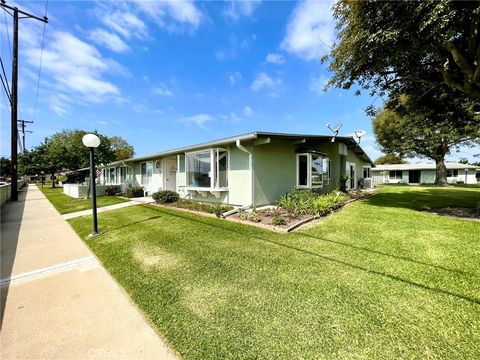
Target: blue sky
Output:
[{"x": 168, "y": 74}]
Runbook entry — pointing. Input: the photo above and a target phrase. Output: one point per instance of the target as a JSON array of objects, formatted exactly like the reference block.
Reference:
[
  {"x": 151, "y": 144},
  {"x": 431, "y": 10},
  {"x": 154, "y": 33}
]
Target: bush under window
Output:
[{"x": 166, "y": 197}]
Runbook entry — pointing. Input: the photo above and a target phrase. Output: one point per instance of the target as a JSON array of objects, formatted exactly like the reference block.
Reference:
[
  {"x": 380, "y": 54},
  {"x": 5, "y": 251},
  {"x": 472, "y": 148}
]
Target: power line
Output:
[
  {"x": 14, "y": 96},
  {"x": 8, "y": 34},
  {"x": 40, "y": 66},
  {"x": 5, "y": 76}
]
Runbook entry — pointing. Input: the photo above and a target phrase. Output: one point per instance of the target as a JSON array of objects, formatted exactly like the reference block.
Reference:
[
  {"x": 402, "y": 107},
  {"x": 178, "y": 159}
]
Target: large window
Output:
[
  {"x": 147, "y": 172},
  {"x": 111, "y": 176},
  {"x": 312, "y": 170},
  {"x": 452, "y": 173},
  {"x": 395, "y": 175},
  {"x": 207, "y": 169}
]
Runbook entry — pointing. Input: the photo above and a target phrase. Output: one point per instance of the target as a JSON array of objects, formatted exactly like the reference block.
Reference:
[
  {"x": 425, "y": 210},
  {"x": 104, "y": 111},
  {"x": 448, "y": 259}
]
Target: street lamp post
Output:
[
  {"x": 92, "y": 141},
  {"x": 42, "y": 173}
]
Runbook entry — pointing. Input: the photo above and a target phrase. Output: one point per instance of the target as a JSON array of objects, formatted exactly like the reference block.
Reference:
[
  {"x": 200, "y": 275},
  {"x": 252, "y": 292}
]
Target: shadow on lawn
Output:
[
  {"x": 342, "y": 262},
  {"x": 425, "y": 199},
  {"x": 132, "y": 223}
]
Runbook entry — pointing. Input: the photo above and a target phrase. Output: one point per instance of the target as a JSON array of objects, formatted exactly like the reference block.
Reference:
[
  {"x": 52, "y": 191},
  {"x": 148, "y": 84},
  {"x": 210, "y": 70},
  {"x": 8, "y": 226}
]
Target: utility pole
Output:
[
  {"x": 14, "y": 95},
  {"x": 23, "y": 123}
]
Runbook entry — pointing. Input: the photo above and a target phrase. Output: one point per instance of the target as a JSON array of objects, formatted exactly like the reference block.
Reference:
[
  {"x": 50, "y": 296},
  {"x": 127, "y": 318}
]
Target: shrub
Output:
[
  {"x": 249, "y": 215},
  {"x": 278, "y": 220},
  {"x": 303, "y": 202},
  {"x": 166, "y": 197},
  {"x": 217, "y": 209},
  {"x": 112, "y": 190},
  {"x": 134, "y": 191}
]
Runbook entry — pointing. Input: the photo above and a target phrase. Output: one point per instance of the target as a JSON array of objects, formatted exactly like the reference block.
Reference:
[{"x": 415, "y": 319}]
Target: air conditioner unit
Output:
[{"x": 367, "y": 183}]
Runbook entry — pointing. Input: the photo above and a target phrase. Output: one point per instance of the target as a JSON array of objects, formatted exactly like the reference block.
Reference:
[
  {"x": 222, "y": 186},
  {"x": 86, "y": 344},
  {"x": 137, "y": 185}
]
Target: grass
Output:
[
  {"x": 66, "y": 204},
  {"x": 377, "y": 280}
]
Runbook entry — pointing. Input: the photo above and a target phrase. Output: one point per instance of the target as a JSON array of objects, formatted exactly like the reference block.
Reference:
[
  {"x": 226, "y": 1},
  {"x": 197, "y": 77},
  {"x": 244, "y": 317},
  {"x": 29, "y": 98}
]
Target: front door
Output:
[
  {"x": 414, "y": 176},
  {"x": 170, "y": 172}
]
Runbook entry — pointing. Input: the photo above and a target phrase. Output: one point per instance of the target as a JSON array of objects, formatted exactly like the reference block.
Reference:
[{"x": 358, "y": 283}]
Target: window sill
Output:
[{"x": 205, "y": 191}]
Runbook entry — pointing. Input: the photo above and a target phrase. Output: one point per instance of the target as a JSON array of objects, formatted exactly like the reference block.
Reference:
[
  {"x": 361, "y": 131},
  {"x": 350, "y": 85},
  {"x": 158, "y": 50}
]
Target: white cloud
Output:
[
  {"x": 162, "y": 90},
  {"x": 73, "y": 71},
  {"x": 264, "y": 81},
  {"x": 127, "y": 18},
  {"x": 317, "y": 84},
  {"x": 110, "y": 40},
  {"x": 102, "y": 122},
  {"x": 275, "y": 58},
  {"x": 199, "y": 119},
  {"x": 236, "y": 9},
  {"x": 172, "y": 15},
  {"x": 248, "y": 112},
  {"x": 123, "y": 22},
  {"x": 235, "y": 77},
  {"x": 310, "y": 30}
]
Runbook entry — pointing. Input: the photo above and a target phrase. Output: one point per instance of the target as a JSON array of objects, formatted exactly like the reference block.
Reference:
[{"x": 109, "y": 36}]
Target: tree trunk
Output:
[
  {"x": 89, "y": 188},
  {"x": 441, "y": 172},
  {"x": 53, "y": 180}
]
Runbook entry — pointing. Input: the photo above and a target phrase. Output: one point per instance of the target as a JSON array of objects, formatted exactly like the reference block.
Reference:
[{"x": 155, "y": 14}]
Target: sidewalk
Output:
[{"x": 57, "y": 301}]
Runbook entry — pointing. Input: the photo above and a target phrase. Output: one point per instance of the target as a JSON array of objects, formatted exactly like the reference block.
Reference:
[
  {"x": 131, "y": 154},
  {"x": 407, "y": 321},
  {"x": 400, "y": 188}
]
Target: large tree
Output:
[
  {"x": 392, "y": 46},
  {"x": 122, "y": 149},
  {"x": 64, "y": 151},
  {"x": 5, "y": 167},
  {"x": 430, "y": 128}
]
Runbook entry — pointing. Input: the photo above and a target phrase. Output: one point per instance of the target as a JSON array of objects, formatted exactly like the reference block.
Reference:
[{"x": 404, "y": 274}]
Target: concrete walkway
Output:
[
  {"x": 57, "y": 301},
  {"x": 100, "y": 210}
]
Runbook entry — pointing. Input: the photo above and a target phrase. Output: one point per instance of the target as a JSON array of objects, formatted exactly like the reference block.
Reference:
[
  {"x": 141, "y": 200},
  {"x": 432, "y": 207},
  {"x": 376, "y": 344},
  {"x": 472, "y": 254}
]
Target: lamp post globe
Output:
[{"x": 92, "y": 141}]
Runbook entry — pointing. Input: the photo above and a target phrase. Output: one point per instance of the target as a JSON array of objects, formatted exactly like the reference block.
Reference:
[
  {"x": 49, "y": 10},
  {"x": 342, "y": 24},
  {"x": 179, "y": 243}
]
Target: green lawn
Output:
[
  {"x": 66, "y": 204},
  {"x": 377, "y": 280}
]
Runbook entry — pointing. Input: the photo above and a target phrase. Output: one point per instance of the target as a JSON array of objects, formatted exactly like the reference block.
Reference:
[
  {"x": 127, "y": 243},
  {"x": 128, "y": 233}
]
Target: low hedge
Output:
[
  {"x": 111, "y": 190},
  {"x": 134, "y": 191},
  {"x": 165, "y": 197}
]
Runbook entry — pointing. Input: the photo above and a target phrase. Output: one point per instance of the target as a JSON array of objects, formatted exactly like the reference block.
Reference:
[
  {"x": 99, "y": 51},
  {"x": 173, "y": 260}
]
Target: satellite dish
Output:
[
  {"x": 335, "y": 130},
  {"x": 359, "y": 134}
]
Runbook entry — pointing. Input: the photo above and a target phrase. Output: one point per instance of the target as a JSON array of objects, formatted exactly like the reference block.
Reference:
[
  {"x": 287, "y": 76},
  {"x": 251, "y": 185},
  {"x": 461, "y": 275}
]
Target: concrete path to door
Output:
[{"x": 57, "y": 301}]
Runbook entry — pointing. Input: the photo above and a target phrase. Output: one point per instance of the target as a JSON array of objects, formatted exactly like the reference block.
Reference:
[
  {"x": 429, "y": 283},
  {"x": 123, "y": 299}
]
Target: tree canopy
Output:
[
  {"x": 122, "y": 149},
  {"x": 390, "y": 159},
  {"x": 65, "y": 151},
  {"x": 392, "y": 46}
]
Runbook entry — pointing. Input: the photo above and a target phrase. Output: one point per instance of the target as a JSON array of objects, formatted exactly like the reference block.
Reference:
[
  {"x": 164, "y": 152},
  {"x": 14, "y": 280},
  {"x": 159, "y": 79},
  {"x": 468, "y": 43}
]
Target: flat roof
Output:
[
  {"x": 423, "y": 166},
  {"x": 349, "y": 140}
]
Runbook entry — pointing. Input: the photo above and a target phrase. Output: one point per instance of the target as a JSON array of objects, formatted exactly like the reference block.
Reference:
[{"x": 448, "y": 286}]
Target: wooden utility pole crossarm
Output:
[{"x": 14, "y": 92}]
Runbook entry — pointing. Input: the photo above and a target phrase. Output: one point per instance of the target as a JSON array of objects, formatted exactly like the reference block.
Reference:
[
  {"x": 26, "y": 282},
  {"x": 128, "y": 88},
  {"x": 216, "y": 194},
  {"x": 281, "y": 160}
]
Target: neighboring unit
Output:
[
  {"x": 251, "y": 169},
  {"x": 422, "y": 173}
]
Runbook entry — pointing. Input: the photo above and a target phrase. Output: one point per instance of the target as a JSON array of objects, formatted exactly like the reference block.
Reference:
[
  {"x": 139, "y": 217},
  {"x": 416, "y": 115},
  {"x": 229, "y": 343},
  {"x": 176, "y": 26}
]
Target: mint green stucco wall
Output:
[
  {"x": 275, "y": 168},
  {"x": 274, "y": 171}
]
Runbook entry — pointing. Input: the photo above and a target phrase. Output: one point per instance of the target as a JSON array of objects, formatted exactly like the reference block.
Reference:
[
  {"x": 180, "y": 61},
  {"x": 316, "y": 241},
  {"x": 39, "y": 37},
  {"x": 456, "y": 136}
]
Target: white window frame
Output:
[
  {"x": 369, "y": 172},
  {"x": 146, "y": 172},
  {"x": 309, "y": 172},
  {"x": 213, "y": 169}
]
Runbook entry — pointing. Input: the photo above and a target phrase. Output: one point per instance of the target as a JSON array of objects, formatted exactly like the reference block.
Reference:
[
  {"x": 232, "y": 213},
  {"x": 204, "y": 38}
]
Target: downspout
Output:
[{"x": 250, "y": 166}]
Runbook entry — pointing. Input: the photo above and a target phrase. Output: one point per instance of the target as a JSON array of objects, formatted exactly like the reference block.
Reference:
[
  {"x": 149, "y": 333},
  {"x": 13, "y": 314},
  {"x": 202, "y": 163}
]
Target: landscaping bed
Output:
[{"x": 297, "y": 208}]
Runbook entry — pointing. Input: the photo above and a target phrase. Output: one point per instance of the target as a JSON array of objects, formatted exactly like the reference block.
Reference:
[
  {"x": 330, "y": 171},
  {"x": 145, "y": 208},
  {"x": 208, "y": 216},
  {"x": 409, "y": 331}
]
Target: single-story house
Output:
[
  {"x": 249, "y": 169},
  {"x": 422, "y": 173}
]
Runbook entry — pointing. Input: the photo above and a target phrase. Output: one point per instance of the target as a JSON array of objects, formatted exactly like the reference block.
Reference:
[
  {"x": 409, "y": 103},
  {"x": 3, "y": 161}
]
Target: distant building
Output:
[{"x": 422, "y": 173}]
